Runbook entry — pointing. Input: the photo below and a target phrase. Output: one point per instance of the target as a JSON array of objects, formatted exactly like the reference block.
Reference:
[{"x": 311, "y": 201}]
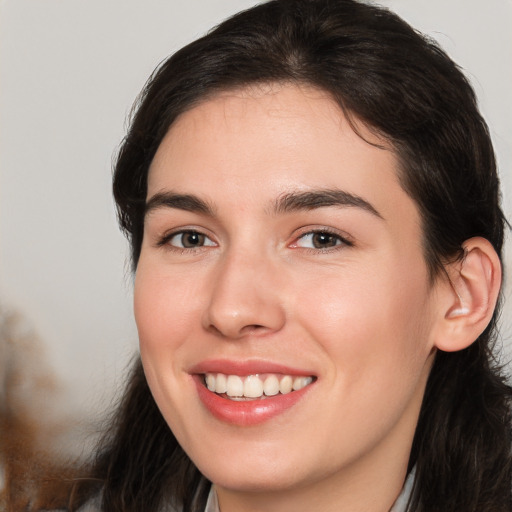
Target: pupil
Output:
[
  {"x": 323, "y": 240},
  {"x": 192, "y": 239}
]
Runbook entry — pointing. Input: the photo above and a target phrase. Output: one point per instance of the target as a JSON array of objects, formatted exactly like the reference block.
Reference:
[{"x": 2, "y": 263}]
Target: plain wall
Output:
[{"x": 69, "y": 73}]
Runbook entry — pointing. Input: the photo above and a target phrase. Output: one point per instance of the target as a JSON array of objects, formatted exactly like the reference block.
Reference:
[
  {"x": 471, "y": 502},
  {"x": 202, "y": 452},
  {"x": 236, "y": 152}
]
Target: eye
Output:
[
  {"x": 320, "y": 240},
  {"x": 189, "y": 240}
]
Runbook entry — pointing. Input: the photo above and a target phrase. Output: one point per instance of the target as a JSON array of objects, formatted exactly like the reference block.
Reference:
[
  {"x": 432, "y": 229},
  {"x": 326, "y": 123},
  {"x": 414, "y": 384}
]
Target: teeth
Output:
[
  {"x": 254, "y": 386},
  {"x": 210, "y": 381},
  {"x": 235, "y": 386},
  {"x": 301, "y": 382},
  {"x": 221, "y": 383},
  {"x": 286, "y": 384},
  {"x": 271, "y": 385}
]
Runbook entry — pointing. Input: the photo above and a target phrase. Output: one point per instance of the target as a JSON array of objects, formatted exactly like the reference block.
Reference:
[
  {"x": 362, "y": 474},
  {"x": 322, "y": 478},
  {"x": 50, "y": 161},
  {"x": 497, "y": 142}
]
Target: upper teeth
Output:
[{"x": 254, "y": 386}]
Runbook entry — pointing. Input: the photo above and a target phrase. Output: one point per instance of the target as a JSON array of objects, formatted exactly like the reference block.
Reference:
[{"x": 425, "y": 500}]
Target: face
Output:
[{"x": 282, "y": 299}]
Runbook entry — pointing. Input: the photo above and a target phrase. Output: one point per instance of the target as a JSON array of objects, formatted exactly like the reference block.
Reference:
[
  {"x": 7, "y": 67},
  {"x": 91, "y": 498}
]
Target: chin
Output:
[
  {"x": 270, "y": 469},
  {"x": 249, "y": 479}
]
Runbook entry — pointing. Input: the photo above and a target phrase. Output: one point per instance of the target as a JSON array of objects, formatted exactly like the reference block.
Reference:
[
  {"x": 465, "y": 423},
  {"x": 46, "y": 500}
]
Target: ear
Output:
[{"x": 469, "y": 296}]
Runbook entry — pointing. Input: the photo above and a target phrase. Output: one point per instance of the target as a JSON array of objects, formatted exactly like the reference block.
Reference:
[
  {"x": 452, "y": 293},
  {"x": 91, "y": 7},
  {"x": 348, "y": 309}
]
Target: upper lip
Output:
[{"x": 246, "y": 367}]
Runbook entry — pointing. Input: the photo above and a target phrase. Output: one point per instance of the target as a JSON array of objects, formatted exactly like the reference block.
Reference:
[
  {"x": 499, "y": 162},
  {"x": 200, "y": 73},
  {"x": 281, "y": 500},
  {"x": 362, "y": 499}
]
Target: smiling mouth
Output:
[{"x": 254, "y": 387}]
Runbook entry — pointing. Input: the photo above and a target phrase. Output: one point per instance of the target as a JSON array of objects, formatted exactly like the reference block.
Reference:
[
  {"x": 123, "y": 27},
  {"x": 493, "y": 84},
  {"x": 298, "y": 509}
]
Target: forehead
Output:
[{"x": 257, "y": 143}]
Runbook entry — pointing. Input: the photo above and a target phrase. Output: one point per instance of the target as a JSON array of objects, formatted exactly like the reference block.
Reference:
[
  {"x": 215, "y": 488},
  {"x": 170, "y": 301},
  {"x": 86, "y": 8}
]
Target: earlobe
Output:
[{"x": 470, "y": 295}]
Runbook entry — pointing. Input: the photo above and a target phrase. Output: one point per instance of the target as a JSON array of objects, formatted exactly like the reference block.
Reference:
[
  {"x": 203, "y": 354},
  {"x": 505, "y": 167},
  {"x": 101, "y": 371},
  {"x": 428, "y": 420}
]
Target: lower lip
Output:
[{"x": 247, "y": 412}]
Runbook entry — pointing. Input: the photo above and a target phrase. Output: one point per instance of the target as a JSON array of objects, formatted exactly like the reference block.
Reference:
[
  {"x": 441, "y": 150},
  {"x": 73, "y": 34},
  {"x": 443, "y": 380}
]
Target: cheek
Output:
[
  {"x": 371, "y": 323},
  {"x": 167, "y": 315},
  {"x": 165, "y": 308},
  {"x": 373, "y": 332}
]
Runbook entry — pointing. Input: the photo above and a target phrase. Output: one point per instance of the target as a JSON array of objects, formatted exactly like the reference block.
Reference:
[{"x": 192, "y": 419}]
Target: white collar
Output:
[
  {"x": 212, "y": 505},
  {"x": 402, "y": 500}
]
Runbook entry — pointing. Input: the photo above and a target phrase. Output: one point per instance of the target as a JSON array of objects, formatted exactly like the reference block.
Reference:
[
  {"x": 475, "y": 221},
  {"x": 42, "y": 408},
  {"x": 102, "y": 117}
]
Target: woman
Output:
[{"x": 312, "y": 203}]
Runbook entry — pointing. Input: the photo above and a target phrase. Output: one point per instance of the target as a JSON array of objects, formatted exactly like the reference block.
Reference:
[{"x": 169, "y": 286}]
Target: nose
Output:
[{"x": 245, "y": 298}]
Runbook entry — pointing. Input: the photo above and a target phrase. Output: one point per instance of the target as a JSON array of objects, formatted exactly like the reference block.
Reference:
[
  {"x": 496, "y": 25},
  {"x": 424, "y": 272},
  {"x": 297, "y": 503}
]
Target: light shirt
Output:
[{"x": 212, "y": 505}]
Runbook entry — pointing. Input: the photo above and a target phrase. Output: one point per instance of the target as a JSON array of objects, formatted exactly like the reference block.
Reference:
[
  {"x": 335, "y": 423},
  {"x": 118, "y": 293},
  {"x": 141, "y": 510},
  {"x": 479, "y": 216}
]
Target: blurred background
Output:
[{"x": 69, "y": 73}]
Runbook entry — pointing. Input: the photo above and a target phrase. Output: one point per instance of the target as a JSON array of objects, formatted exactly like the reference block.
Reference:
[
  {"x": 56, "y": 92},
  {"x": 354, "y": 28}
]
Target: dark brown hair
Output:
[{"x": 401, "y": 85}]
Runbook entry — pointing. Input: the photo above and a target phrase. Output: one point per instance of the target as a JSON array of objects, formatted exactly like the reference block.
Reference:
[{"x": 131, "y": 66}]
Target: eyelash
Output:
[
  {"x": 344, "y": 241},
  {"x": 340, "y": 241},
  {"x": 166, "y": 239}
]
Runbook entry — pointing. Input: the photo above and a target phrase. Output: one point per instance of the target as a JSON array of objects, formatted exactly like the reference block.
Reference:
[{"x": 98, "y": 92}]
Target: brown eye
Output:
[
  {"x": 323, "y": 240},
  {"x": 190, "y": 240},
  {"x": 320, "y": 240}
]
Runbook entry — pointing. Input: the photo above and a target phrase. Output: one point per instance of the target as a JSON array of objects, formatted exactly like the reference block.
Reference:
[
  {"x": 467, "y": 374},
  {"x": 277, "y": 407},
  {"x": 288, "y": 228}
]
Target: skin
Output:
[{"x": 361, "y": 316}]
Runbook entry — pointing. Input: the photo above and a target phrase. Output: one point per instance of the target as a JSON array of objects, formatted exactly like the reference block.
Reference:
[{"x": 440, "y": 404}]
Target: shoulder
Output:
[{"x": 92, "y": 505}]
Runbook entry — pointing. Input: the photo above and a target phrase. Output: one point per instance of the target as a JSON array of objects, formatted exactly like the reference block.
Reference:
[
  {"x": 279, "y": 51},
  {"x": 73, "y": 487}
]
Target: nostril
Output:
[
  {"x": 214, "y": 330},
  {"x": 245, "y": 330},
  {"x": 252, "y": 328}
]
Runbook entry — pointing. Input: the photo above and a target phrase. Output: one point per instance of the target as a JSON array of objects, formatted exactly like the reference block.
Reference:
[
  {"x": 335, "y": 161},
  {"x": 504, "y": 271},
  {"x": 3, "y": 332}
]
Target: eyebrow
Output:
[
  {"x": 286, "y": 203},
  {"x": 312, "y": 199},
  {"x": 187, "y": 202}
]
